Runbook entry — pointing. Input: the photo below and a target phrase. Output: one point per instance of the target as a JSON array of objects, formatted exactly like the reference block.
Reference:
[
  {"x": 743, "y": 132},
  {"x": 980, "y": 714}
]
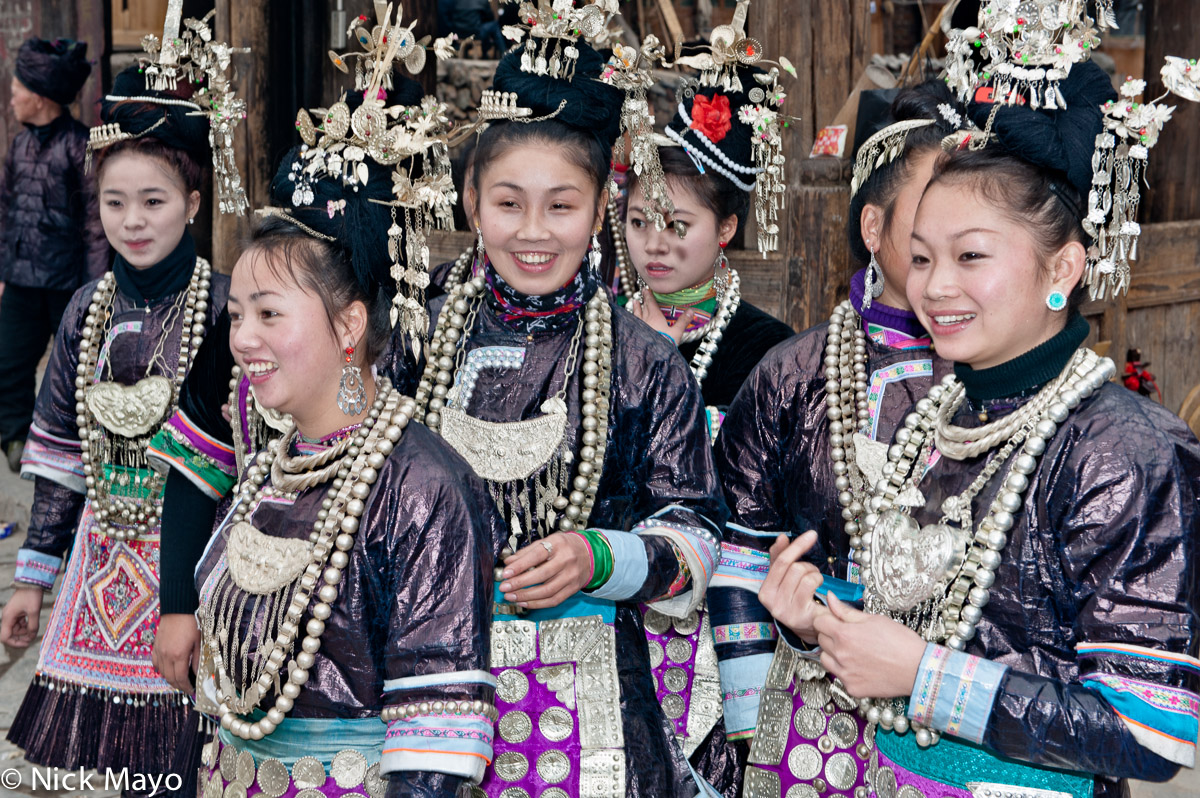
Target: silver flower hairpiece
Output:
[{"x": 1118, "y": 169}]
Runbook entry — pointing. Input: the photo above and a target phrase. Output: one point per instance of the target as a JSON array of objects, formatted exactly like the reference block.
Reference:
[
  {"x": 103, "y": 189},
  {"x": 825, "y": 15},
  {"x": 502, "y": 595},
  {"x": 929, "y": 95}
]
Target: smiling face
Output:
[
  {"x": 144, "y": 207},
  {"x": 665, "y": 261},
  {"x": 978, "y": 281},
  {"x": 537, "y": 211},
  {"x": 280, "y": 337}
]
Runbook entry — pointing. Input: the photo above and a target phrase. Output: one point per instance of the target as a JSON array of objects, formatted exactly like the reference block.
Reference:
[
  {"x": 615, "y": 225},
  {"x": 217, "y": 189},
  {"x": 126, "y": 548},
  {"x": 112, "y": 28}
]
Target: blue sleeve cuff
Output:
[
  {"x": 630, "y": 566},
  {"x": 954, "y": 692},
  {"x": 35, "y": 568},
  {"x": 742, "y": 681}
]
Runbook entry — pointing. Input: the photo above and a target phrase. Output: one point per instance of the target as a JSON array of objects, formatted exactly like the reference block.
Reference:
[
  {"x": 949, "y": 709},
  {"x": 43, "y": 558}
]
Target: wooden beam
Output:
[{"x": 674, "y": 29}]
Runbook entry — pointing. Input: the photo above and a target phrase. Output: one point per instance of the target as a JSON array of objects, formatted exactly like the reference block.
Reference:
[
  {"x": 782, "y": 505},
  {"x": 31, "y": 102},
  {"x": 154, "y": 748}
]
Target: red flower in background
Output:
[{"x": 711, "y": 117}]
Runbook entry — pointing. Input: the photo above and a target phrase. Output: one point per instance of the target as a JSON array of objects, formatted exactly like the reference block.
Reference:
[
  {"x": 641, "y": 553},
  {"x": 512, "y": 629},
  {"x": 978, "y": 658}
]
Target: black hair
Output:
[
  {"x": 884, "y": 184},
  {"x": 580, "y": 146},
  {"x": 1041, "y": 200},
  {"x": 715, "y": 191},
  {"x": 324, "y": 270},
  {"x": 189, "y": 171}
]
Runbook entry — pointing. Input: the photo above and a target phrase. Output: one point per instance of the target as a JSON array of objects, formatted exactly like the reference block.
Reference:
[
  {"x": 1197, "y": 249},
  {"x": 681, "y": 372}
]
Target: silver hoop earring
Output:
[
  {"x": 352, "y": 393},
  {"x": 873, "y": 282}
]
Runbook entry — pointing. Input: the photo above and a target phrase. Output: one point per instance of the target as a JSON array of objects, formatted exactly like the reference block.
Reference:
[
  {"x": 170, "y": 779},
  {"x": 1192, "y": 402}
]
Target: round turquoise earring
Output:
[{"x": 1056, "y": 300}]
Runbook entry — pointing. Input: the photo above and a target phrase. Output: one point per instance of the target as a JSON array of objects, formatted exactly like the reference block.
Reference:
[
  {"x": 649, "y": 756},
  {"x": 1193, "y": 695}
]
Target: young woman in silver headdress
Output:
[
  {"x": 1030, "y": 612},
  {"x": 124, "y": 348},
  {"x": 776, "y": 450},
  {"x": 590, "y": 435}
]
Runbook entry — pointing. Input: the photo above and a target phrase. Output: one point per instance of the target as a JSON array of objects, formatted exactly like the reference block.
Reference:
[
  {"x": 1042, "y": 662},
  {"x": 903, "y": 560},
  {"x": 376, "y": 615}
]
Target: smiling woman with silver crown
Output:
[
  {"x": 345, "y": 596},
  {"x": 125, "y": 345},
  {"x": 588, "y": 431},
  {"x": 1029, "y": 603}
]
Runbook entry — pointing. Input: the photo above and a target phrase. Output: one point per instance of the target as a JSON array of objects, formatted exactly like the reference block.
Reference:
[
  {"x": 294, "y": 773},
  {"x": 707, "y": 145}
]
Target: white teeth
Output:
[
  {"x": 259, "y": 367},
  {"x": 954, "y": 319},
  {"x": 533, "y": 260}
]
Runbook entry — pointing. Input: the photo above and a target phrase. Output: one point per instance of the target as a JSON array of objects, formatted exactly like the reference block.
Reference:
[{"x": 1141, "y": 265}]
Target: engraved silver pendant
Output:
[
  {"x": 506, "y": 451},
  {"x": 130, "y": 410},
  {"x": 910, "y": 564}
]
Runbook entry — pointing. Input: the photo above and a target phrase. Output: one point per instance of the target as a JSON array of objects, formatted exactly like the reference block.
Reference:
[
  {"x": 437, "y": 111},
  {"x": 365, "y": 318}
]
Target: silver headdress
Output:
[
  {"x": 1027, "y": 46},
  {"x": 630, "y": 70},
  {"x": 1119, "y": 164},
  {"x": 884, "y": 147},
  {"x": 411, "y": 139},
  {"x": 729, "y": 49},
  {"x": 552, "y": 30},
  {"x": 191, "y": 56}
]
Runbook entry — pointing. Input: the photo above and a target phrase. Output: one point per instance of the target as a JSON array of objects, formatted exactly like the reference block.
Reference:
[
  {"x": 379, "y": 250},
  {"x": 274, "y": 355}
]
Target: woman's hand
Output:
[
  {"x": 874, "y": 656},
  {"x": 648, "y": 311},
  {"x": 176, "y": 654},
  {"x": 541, "y": 575},
  {"x": 22, "y": 617},
  {"x": 791, "y": 584}
]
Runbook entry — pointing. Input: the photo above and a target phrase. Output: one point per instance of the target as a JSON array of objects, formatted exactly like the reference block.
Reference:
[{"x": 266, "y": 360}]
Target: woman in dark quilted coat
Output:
[{"x": 49, "y": 225}]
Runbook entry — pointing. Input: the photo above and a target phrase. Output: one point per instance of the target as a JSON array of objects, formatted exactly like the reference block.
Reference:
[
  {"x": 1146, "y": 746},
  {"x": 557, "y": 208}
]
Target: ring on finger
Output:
[{"x": 548, "y": 546}]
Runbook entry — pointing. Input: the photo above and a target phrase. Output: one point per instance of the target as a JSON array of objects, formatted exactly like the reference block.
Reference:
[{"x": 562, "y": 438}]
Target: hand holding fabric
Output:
[
  {"x": 790, "y": 587},
  {"x": 874, "y": 656},
  {"x": 547, "y": 572}
]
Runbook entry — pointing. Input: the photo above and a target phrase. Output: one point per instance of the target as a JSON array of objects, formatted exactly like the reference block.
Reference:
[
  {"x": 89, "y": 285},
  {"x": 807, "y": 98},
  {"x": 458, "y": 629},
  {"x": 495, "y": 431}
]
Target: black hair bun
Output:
[
  {"x": 360, "y": 227},
  {"x": 709, "y": 121},
  {"x": 182, "y": 127},
  {"x": 56, "y": 70},
  {"x": 1061, "y": 140},
  {"x": 590, "y": 104}
]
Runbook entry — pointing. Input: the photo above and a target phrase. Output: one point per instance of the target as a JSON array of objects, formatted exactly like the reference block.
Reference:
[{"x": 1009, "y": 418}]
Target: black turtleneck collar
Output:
[
  {"x": 167, "y": 277},
  {"x": 47, "y": 131},
  {"x": 1027, "y": 372}
]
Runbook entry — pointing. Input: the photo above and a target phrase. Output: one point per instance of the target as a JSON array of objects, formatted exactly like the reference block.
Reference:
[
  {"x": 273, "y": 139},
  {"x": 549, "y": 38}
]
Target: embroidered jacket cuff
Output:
[
  {"x": 37, "y": 569},
  {"x": 954, "y": 692},
  {"x": 742, "y": 680}
]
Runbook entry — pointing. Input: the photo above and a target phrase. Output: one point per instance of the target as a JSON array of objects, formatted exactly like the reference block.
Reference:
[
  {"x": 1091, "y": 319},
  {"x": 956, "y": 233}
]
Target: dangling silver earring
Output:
[
  {"x": 352, "y": 394},
  {"x": 639, "y": 295},
  {"x": 594, "y": 255},
  {"x": 873, "y": 283},
  {"x": 479, "y": 251},
  {"x": 721, "y": 275}
]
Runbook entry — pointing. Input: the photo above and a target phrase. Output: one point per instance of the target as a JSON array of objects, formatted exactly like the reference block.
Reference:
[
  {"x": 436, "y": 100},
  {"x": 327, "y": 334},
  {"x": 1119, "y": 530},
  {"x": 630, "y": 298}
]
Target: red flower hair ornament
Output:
[{"x": 711, "y": 117}]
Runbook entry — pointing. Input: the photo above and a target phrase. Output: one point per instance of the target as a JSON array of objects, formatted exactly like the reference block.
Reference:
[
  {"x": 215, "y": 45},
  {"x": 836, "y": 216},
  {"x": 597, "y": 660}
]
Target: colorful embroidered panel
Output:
[
  {"x": 101, "y": 631},
  {"x": 884, "y": 377}
]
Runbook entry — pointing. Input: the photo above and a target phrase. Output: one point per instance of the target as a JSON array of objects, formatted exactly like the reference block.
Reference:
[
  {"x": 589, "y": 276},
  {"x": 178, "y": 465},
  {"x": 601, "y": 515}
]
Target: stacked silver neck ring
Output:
[{"x": 332, "y": 537}]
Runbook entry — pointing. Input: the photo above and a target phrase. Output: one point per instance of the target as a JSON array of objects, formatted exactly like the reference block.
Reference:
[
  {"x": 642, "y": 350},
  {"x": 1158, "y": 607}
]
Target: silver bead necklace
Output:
[
  {"x": 357, "y": 468},
  {"x": 114, "y": 427},
  {"x": 946, "y": 606}
]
